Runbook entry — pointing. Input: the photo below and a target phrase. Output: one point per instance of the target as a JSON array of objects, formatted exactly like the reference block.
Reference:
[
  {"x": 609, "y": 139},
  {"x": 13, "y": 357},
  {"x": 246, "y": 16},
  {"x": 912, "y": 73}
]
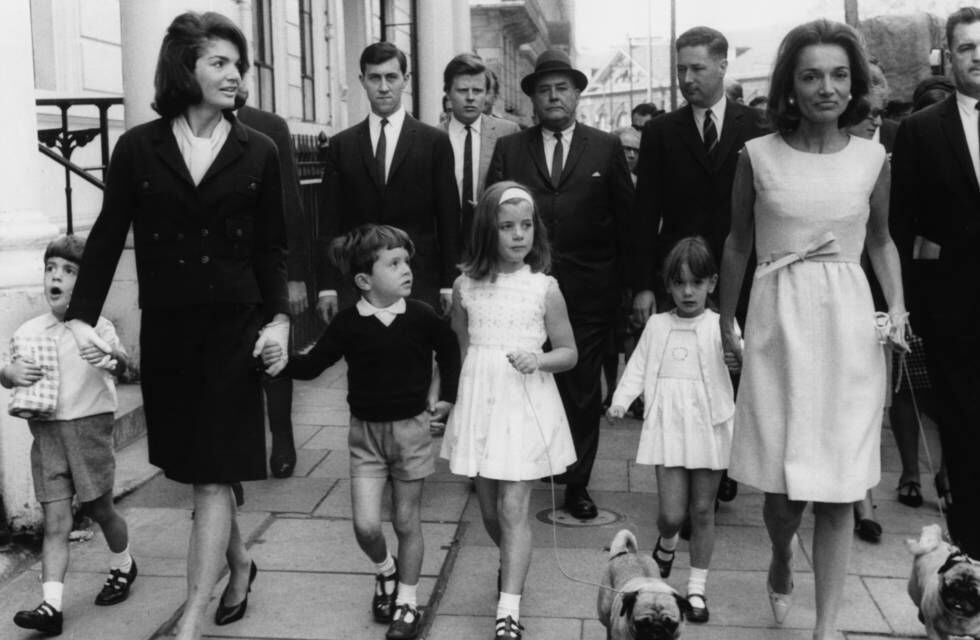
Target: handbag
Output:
[{"x": 40, "y": 400}]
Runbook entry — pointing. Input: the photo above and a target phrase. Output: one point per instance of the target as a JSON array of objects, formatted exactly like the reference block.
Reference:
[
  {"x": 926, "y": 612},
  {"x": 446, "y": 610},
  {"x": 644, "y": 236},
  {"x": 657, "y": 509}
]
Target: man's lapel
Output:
[
  {"x": 580, "y": 142},
  {"x": 405, "y": 141},
  {"x": 535, "y": 149},
  {"x": 367, "y": 152},
  {"x": 688, "y": 133},
  {"x": 488, "y": 138},
  {"x": 952, "y": 127}
]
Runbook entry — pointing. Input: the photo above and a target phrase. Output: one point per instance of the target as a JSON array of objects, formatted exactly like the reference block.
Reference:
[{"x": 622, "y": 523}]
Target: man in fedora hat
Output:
[{"x": 583, "y": 190}]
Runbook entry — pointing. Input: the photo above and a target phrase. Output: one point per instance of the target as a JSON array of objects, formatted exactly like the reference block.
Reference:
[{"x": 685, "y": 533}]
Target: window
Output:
[
  {"x": 306, "y": 60},
  {"x": 265, "y": 90}
]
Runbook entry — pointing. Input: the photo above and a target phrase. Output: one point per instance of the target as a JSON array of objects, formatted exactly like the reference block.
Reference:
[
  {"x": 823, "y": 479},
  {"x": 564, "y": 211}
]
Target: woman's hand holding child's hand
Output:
[
  {"x": 523, "y": 361},
  {"x": 438, "y": 414},
  {"x": 732, "y": 362},
  {"x": 91, "y": 346},
  {"x": 274, "y": 334},
  {"x": 23, "y": 372},
  {"x": 271, "y": 354},
  {"x": 616, "y": 412},
  {"x": 731, "y": 343}
]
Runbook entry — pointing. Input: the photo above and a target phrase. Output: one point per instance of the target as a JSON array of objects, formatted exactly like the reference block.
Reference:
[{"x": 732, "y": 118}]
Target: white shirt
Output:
[
  {"x": 457, "y": 137},
  {"x": 717, "y": 116},
  {"x": 386, "y": 315},
  {"x": 199, "y": 153},
  {"x": 392, "y": 130},
  {"x": 550, "y": 142},
  {"x": 969, "y": 117}
]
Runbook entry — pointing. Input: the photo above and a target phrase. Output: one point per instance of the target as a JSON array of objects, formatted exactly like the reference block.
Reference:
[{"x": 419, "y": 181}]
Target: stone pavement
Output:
[{"x": 314, "y": 583}]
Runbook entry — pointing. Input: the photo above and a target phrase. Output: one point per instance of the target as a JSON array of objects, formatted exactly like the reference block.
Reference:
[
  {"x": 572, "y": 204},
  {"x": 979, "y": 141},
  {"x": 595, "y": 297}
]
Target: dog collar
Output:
[{"x": 954, "y": 558}]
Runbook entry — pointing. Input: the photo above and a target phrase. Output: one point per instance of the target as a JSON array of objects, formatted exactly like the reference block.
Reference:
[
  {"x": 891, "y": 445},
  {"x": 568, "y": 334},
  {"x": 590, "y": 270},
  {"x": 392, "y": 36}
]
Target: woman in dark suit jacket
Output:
[{"x": 204, "y": 198}]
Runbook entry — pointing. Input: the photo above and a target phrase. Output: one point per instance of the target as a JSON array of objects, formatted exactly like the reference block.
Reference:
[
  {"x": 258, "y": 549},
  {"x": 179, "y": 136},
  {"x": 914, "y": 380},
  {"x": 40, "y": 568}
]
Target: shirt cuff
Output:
[
  {"x": 446, "y": 292},
  {"x": 327, "y": 292}
]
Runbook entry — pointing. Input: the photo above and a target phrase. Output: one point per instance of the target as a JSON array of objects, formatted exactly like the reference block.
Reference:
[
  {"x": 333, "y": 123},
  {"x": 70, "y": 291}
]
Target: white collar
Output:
[
  {"x": 51, "y": 320},
  {"x": 966, "y": 102},
  {"x": 455, "y": 126},
  {"x": 365, "y": 308},
  {"x": 566, "y": 134},
  {"x": 718, "y": 109},
  {"x": 395, "y": 119}
]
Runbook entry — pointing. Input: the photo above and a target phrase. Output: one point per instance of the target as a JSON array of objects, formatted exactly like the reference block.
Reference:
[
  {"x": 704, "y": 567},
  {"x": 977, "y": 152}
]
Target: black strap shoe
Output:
[
  {"x": 117, "y": 586},
  {"x": 699, "y": 608},
  {"x": 383, "y": 603},
  {"x": 43, "y": 618},
  {"x": 227, "y": 614},
  {"x": 508, "y": 629},
  {"x": 663, "y": 558},
  {"x": 405, "y": 623}
]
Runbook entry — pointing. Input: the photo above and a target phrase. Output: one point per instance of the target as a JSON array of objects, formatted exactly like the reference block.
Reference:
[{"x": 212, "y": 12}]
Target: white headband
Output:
[{"x": 515, "y": 193}]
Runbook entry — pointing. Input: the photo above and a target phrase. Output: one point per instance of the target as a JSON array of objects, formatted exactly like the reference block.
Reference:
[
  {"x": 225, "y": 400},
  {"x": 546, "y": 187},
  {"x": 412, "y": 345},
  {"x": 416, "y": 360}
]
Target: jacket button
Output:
[
  {"x": 204, "y": 233},
  {"x": 155, "y": 236},
  {"x": 238, "y": 233},
  {"x": 253, "y": 186},
  {"x": 181, "y": 261},
  {"x": 180, "y": 236},
  {"x": 205, "y": 259},
  {"x": 145, "y": 185}
]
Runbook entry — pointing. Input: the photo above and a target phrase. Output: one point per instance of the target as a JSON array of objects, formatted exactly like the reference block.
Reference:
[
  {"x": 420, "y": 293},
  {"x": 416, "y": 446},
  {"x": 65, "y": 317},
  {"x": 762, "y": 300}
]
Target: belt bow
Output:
[{"x": 823, "y": 247}]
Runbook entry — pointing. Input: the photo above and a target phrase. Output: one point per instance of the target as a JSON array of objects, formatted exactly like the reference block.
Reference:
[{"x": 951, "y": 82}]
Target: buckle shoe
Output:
[
  {"x": 116, "y": 587},
  {"x": 663, "y": 558},
  {"x": 43, "y": 618},
  {"x": 698, "y": 614},
  {"x": 405, "y": 623},
  {"x": 383, "y": 603},
  {"x": 508, "y": 629}
]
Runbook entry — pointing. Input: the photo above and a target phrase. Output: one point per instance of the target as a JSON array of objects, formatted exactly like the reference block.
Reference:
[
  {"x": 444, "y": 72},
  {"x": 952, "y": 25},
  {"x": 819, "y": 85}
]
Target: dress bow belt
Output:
[{"x": 823, "y": 249}]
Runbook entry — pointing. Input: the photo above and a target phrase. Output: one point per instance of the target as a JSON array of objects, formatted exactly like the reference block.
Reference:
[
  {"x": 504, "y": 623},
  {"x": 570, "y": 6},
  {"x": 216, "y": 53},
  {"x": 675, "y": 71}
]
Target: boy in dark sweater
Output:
[{"x": 388, "y": 342}]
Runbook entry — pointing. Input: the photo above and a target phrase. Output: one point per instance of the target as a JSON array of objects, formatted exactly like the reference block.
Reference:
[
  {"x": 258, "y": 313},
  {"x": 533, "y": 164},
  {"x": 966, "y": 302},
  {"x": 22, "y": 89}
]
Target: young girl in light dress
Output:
[
  {"x": 682, "y": 371},
  {"x": 508, "y": 427}
]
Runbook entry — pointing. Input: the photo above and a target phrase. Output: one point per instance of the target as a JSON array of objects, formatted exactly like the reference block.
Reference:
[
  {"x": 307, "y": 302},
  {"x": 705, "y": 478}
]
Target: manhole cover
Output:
[{"x": 562, "y": 518}]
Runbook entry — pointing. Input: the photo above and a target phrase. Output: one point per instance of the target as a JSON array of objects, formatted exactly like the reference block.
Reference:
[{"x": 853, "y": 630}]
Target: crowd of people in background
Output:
[{"x": 779, "y": 276}]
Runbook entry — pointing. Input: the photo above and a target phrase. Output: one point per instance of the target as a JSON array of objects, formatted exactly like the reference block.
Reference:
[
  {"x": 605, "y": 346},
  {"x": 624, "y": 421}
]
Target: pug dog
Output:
[
  {"x": 635, "y": 604},
  {"x": 945, "y": 586}
]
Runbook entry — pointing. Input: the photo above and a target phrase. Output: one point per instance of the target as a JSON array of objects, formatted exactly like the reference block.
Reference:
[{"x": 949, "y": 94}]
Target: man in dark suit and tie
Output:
[
  {"x": 391, "y": 169},
  {"x": 935, "y": 213},
  {"x": 472, "y": 133},
  {"x": 582, "y": 188}
]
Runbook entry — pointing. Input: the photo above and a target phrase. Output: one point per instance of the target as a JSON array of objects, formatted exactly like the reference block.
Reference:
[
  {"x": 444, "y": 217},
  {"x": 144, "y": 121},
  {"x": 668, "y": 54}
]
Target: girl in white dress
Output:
[
  {"x": 680, "y": 368},
  {"x": 508, "y": 426}
]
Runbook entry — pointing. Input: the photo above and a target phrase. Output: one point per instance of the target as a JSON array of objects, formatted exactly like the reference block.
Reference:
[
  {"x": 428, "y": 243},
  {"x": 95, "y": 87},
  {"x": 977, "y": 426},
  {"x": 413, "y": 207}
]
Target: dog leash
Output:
[
  {"x": 904, "y": 371},
  {"x": 554, "y": 502}
]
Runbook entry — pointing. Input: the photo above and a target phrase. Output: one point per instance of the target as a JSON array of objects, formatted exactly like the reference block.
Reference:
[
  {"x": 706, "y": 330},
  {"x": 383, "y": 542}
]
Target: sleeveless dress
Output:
[
  {"x": 506, "y": 425},
  {"x": 809, "y": 407}
]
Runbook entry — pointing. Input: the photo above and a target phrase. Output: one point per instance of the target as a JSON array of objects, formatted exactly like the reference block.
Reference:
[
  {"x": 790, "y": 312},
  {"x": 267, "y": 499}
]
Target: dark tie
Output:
[
  {"x": 557, "y": 157},
  {"x": 468, "y": 168},
  {"x": 710, "y": 134},
  {"x": 381, "y": 151}
]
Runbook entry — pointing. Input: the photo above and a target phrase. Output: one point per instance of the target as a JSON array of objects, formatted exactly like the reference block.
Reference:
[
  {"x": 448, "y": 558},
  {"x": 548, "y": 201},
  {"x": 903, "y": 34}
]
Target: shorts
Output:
[
  {"x": 73, "y": 457},
  {"x": 401, "y": 449}
]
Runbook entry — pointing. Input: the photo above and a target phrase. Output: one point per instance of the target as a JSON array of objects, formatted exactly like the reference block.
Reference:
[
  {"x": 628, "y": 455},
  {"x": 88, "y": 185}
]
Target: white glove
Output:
[{"x": 276, "y": 332}]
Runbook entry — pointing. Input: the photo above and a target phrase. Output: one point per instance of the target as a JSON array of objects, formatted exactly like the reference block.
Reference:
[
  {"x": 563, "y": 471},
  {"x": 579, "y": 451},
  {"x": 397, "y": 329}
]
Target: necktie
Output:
[
  {"x": 557, "y": 158},
  {"x": 381, "y": 151},
  {"x": 468, "y": 168},
  {"x": 710, "y": 134}
]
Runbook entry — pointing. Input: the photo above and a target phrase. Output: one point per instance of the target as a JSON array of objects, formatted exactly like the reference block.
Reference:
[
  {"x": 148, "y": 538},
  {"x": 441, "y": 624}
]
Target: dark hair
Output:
[
  {"x": 692, "y": 251},
  {"x": 964, "y": 15},
  {"x": 733, "y": 90},
  {"x": 381, "y": 52},
  {"x": 357, "y": 251},
  {"x": 493, "y": 83},
  {"x": 930, "y": 91},
  {"x": 787, "y": 116},
  {"x": 645, "y": 109},
  {"x": 175, "y": 86},
  {"x": 713, "y": 39},
  {"x": 465, "y": 64},
  {"x": 482, "y": 245},
  {"x": 756, "y": 101},
  {"x": 67, "y": 246}
]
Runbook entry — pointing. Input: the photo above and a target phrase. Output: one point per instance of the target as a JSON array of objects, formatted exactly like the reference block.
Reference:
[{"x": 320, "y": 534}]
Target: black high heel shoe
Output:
[{"x": 226, "y": 615}]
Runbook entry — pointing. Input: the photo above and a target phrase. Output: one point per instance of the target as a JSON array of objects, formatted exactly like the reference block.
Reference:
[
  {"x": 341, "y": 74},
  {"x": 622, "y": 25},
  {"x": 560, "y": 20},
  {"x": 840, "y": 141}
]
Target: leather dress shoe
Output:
[
  {"x": 405, "y": 623},
  {"x": 116, "y": 587},
  {"x": 282, "y": 461},
  {"x": 227, "y": 614},
  {"x": 579, "y": 503},
  {"x": 383, "y": 603},
  {"x": 698, "y": 613},
  {"x": 42, "y": 618},
  {"x": 727, "y": 488}
]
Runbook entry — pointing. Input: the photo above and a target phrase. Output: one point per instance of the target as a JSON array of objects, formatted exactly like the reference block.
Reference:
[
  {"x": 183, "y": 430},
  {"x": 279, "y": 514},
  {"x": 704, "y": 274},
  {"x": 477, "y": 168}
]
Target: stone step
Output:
[{"x": 133, "y": 467}]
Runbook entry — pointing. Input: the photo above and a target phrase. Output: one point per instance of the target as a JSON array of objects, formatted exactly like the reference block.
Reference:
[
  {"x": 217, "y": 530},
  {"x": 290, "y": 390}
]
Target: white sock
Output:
[
  {"x": 387, "y": 569},
  {"x": 122, "y": 561},
  {"x": 509, "y": 605},
  {"x": 697, "y": 581},
  {"x": 52, "y": 593},
  {"x": 670, "y": 544},
  {"x": 407, "y": 595}
]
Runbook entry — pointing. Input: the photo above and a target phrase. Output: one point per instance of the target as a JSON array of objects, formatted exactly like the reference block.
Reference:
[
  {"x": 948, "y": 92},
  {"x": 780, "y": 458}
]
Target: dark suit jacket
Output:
[
  {"x": 587, "y": 215},
  {"x": 887, "y": 133},
  {"x": 420, "y": 198},
  {"x": 935, "y": 195},
  {"x": 683, "y": 189},
  {"x": 299, "y": 230},
  {"x": 222, "y": 241}
]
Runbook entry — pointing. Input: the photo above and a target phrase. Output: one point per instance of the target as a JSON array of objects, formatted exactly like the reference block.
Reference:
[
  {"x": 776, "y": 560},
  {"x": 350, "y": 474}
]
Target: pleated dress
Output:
[
  {"x": 810, "y": 402},
  {"x": 506, "y": 425}
]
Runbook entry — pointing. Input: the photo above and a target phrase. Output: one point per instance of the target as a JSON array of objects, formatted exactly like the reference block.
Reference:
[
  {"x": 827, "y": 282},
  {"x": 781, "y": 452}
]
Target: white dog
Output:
[
  {"x": 945, "y": 586},
  {"x": 637, "y": 604}
]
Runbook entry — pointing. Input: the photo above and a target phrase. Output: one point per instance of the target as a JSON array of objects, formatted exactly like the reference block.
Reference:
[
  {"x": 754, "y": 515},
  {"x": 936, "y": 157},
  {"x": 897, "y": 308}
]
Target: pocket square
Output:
[{"x": 596, "y": 175}]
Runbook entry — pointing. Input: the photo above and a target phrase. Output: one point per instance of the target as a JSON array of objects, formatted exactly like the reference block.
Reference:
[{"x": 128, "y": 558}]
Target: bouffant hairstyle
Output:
[
  {"x": 482, "y": 247},
  {"x": 694, "y": 252},
  {"x": 713, "y": 39},
  {"x": 382, "y": 52},
  {"x": 965, "y": 15},
  {"x": 787, "y": 116},
  {"x": 357, "y": 251},
  {"x": 187, "y": 36},
  {"x": 67, "y": 246},
  {"x": 465, "y": 64}
]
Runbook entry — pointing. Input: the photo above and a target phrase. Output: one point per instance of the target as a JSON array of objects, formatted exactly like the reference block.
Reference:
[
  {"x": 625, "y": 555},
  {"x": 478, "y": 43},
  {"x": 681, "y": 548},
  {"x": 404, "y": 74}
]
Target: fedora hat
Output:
[{"x": 553, "y": 61}]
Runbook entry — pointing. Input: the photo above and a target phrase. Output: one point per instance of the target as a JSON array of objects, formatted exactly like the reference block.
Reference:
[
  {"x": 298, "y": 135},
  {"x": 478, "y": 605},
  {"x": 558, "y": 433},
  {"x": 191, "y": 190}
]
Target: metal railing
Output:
[
  {"x": 66, "y": 140},
  {"x": 309, "y": 151}
]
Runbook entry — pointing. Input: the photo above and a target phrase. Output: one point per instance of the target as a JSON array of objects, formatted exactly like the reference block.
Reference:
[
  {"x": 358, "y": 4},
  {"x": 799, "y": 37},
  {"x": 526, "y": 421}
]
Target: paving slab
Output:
[
  {"x": 439, "y": 503},
  {"x": 457, "y": 627},
  {"x": 289, "y": 495},
  {"x": 892, "y": 597},
  {"x": 328, "y": 438}
]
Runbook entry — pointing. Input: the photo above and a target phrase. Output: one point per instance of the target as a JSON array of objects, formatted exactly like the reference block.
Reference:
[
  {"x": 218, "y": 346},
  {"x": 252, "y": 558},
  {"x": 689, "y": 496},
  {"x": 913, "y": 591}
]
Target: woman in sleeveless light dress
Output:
[{"x": 810, "y": 401}]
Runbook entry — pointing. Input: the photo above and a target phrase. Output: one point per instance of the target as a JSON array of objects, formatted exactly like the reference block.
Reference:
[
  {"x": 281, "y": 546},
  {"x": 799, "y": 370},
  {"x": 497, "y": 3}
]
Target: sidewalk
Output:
[{"x": 314, "y": 583}]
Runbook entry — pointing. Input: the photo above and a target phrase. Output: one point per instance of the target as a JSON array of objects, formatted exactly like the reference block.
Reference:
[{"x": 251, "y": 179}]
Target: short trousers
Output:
[
  {"x": 73, "y": 457},
  {"x": 401, "y": 449}
]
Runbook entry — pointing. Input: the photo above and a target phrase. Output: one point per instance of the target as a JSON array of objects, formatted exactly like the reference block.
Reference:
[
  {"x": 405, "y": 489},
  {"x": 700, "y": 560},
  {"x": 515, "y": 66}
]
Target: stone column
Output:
[
  {"x": 436, "y": 22},
  {"x": 462, "y": 31},
  {"x": 24, "y": 231}
]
